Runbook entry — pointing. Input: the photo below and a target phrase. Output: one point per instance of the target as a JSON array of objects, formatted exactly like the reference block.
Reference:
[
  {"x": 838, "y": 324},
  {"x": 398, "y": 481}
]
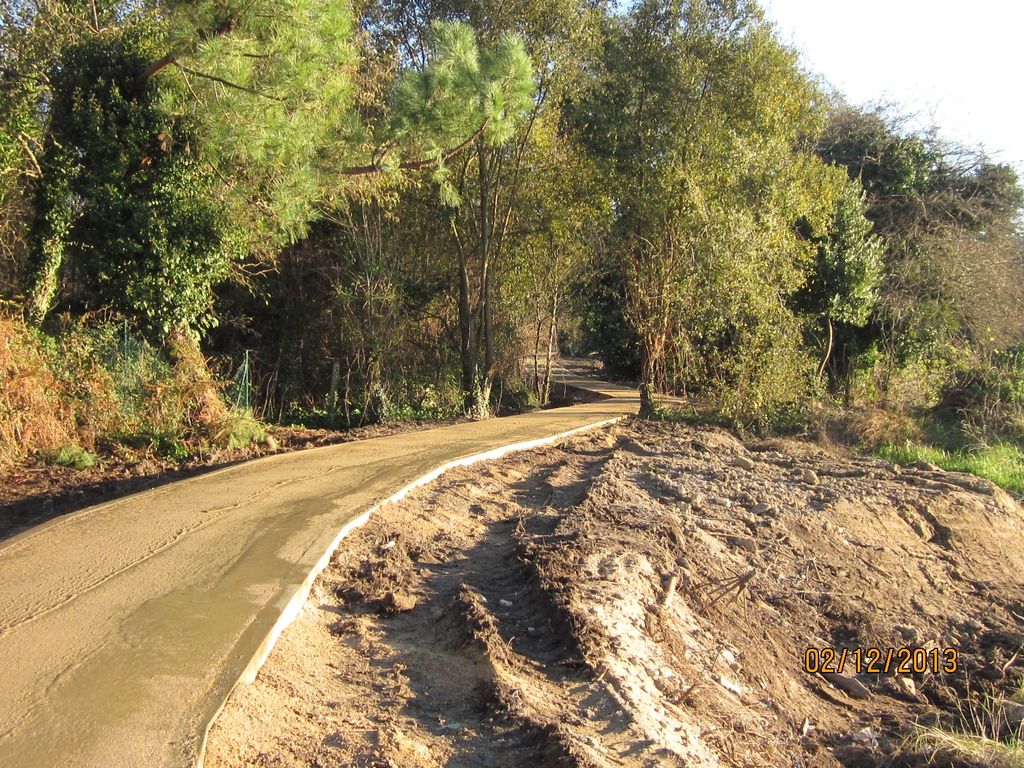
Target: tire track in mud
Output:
[
  {"x": 639, "y": 597},
  {"x": 461, "y": 658}
]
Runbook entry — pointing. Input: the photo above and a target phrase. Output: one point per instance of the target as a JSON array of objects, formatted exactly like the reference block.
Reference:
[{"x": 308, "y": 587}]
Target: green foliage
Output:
[
  {"x": 949, "y": 219},
  {"x": 269, "y": 86},
  {"x": 240, "y": 431},
  {"x": 462, "y": 90},
  {"x": 1002, "y": 463},
  {"x": 987, "y": 398},
  {"x": 73, "y": 456},
  {"x": 844, "y": 284},
  {"x": 699, "y": 117},
  {"x": 124, "y": 197}
]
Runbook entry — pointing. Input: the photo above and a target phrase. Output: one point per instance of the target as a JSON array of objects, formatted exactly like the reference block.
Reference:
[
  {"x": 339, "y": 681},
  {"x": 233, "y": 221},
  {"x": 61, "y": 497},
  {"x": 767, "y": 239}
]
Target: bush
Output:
[
  {"x": 987, "y": 399},
  {"x": 240, "y": 431},
  {"x": 89, "y": 385}
]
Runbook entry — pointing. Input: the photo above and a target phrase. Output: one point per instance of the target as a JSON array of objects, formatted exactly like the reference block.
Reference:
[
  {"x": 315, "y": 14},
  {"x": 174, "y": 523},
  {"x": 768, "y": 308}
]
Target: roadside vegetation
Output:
[{"x": 220, "y": 216}]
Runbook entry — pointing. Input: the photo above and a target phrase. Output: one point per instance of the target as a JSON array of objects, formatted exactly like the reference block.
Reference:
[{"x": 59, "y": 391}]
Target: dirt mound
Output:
[{"x": 648, "y": 597}]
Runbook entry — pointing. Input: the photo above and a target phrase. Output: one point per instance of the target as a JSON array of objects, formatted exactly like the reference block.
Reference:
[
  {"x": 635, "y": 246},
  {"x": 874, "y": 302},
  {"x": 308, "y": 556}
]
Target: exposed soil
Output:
[
  {"x": 644, "y": 597},
  {"x": 35, "y": 491}
]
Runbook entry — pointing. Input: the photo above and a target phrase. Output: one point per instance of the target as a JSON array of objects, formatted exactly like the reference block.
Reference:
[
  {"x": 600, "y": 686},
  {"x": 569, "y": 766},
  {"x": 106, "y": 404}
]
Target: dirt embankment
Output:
[{"x": 645, "y": 597}]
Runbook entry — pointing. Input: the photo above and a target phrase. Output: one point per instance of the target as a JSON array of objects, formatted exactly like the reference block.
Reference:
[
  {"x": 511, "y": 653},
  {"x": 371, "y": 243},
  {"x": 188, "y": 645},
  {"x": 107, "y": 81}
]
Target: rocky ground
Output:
[{"x": 644, "y": 596}]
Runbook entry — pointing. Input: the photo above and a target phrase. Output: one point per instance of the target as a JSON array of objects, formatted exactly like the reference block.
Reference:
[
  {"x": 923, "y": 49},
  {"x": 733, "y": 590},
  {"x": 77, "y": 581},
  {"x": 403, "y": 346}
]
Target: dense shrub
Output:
[
  {"x": 34, "y": 414},
  {"x": 94, "y": 386},
  {"x": 987, "y": 399}
]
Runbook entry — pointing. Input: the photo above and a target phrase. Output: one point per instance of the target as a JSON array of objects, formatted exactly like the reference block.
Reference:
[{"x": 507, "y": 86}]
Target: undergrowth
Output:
[
  {"x": 91, "y": 388},
  {"x": 72, "y": 455}
]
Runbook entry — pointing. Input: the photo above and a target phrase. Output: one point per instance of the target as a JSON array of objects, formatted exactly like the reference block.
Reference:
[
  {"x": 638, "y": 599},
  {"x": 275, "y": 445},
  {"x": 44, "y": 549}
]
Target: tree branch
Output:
[
  {"x": 160, "y": 64},
  {"x": 416, "y": 165},
  {"x": 228, "y": 83},
  {"x": 163, "y": 62}
]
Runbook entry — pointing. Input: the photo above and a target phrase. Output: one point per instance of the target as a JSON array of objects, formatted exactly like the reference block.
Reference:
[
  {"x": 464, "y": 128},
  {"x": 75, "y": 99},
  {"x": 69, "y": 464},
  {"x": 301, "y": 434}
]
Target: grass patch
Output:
[
  {"x": 240, "y": 431},
  {"x": 986, "y": 735},
  {"x": 980, "y": 750},
  {"x": 1002, "y": 463},
  {"x": 72, "y": 455}
]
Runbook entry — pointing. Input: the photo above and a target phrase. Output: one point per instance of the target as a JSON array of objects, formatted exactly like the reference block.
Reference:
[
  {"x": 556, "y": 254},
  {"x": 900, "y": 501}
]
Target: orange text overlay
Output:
[{"x": 881, "y": 661}]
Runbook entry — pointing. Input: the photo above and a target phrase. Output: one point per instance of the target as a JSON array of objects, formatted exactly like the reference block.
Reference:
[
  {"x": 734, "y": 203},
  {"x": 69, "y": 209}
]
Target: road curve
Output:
[{"x": 124, "y": 627}]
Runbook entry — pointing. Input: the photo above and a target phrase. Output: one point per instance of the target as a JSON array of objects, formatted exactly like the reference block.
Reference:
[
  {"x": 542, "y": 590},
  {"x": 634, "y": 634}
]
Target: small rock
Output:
[
  {"x": 743, "y": 542},
  {"x": 907, "y": 685},
  {"x": 718, "y": 501},
  {"x": 729, "y": 685},
  {"x": 743, "y": 463},
  {"x": 1013, "y": 712},
  {"x": 664, "y": 684},
  {"x": 728, "y": 658},
  {"x": 399, "y": 601},
  {"x": 866, "y": 736},
  {"x": 505, "y": 603},
  {"x": 909, "y": 634},
  {"x": 809, "y": 476},
  {"x": 851, "y": 686}
]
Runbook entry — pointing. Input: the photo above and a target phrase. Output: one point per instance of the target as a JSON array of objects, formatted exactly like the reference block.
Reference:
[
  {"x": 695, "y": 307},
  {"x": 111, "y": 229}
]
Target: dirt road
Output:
[
  {"x": 645, "y": 596},
  {"x": 124, "y": 627}
]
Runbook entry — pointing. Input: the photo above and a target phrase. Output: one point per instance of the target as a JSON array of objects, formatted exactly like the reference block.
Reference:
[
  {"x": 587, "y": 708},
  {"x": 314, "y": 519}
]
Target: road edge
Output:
[{"x": 299, "y": 597}]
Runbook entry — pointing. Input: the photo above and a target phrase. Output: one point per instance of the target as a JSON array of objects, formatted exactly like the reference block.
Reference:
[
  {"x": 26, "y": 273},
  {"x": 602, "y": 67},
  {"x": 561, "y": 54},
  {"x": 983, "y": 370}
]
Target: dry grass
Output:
[
  {"x": 979, "y": 750},
  {"x": 33, "y": 414},
  {"x": 94, "y": 386},
  {"x": 866, "y": 428},
  {"x": 985, "y": 735}
]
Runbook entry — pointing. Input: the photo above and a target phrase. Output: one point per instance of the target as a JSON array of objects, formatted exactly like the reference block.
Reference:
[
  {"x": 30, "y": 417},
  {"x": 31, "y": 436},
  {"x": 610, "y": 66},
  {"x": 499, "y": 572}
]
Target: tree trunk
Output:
[
  {"x": 647, "y": 376},
  {"x": 44, "y": 286},
  {"x": 486, "y": 376},
  {"x": 549, "y": 360},
  {"x": 467, "y": 356},
  {"x": 536, "y": 356},
  {"x": 828, "y": 349}
]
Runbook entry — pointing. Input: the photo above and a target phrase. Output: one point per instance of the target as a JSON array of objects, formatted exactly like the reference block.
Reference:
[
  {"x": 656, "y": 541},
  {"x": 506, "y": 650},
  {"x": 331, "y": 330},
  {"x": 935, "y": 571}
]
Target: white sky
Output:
[{"x": 958, "y": 64}]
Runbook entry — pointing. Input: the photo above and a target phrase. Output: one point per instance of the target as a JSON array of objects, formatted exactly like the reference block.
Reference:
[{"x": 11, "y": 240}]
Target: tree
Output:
[
  {"x": 203, "y": 132},
  {"x": 949, "y": 218},
  {"x": 700, "y": 119},
  {"x": 484, "y": 224},
  {"x": 843, "y": 286}
]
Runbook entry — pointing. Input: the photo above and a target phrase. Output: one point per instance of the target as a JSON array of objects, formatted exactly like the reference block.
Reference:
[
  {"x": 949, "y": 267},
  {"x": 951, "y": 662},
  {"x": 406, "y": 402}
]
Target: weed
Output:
[
  {"x": 72, "y": 455},
  {"x": 984, "y": 734},
  {"x": 240, "y": 431},
  {"x": 979, "y": 749}
]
